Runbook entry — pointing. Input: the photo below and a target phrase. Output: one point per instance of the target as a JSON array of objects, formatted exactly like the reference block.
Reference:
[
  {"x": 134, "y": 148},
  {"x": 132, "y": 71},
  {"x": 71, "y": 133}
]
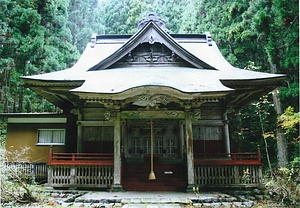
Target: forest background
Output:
[{"x": 40, "y": 36}]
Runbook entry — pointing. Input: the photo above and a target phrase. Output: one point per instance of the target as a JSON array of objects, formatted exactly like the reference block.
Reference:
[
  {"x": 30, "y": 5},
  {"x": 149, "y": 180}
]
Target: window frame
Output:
[{"x": 51, "y": 143}]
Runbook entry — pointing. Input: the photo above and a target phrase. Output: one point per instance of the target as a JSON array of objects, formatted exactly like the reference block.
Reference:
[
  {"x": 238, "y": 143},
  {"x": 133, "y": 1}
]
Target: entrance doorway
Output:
[{"x": 169, "y": 168}]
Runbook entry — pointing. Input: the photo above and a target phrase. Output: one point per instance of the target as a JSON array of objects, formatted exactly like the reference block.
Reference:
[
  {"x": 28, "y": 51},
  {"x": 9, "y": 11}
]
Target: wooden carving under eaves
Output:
[
  {"x": 146, "y": 100},
  {"x": 151, "y": 45},
  {"x": 151, "y": 54}
]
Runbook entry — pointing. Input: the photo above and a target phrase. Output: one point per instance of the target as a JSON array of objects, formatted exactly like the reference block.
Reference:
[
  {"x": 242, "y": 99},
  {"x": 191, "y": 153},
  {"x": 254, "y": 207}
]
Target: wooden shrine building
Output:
[{"x": 148, "y": 104}]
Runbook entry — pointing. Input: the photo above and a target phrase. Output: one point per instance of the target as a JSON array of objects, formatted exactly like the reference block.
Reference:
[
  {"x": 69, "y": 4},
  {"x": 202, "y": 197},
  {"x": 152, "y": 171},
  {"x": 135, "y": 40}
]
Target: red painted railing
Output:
[
  {"x": 104, "y": 159},
  {"x": 248, "y": 158}
]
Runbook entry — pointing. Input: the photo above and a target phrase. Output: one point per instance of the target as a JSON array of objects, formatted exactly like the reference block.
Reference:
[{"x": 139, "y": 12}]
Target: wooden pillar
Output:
[
  {"x": 124, "y": 138},
  {"x": 226, "y": 133},
  {"x": 71, "y": 131},
  {"x": 181, "y": 138},
  {"x": 117, "y": 153},
  {"x": 189, "y": 152},
  {"x": 79, "y": 133}
]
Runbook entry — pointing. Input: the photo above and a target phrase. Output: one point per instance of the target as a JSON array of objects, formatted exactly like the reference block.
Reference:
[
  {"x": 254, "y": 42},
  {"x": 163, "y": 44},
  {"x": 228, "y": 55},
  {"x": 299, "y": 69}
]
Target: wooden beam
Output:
[
  {"x": 166, "y": 114},
  {"x": 96, "y": 123}
]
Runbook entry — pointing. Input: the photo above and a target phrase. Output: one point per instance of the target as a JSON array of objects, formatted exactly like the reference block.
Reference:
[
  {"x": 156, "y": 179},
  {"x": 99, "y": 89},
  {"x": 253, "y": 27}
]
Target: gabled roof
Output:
[
  {"x": 151, "y": 33},
  {"x": 207, "y": 71}
]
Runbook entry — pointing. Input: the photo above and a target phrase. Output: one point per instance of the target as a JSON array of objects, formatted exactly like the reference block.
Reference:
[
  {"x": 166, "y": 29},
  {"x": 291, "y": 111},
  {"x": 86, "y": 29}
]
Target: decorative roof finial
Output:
[{"x": 152, "y": 17}]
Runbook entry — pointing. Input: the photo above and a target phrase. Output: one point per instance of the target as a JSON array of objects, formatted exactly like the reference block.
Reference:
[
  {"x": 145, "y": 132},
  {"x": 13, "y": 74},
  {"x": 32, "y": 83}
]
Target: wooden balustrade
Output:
[
  {"x": 211, "y": 169},
  {"x": 228, "y": 175},
  {"x": 85, "y": 176},
  {"x": 228, "y": 169},
  {"x": 87, "y": 170},
  {"x": 28, "y": 170}
]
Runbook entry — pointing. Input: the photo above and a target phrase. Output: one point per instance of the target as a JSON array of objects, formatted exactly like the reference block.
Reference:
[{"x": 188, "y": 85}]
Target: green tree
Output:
[
  {"x": 84, "y": 19},
  {"x": 135, "y": 13},
  {"x": 34, "y": 39},
  {"x": 121, "y": 17},
  {"x": 21, "y": 45},
  {"x": 115, "y": 14},
  {"x": 170, "y": 11}
]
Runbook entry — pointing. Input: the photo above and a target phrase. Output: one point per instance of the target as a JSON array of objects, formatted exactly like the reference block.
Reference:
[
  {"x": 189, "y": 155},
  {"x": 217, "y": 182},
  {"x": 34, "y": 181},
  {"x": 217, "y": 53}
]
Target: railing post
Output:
[
  {"x": 236, "y": 175},
  {"x": 34, "y": 172},
  {"x": 258, "y": 154},
  {"x": 50, "y": 155},
  {"x": 73, "y": 156},
  {"x": 50, "y": 176},
  {"x": 73, "y": 175}
]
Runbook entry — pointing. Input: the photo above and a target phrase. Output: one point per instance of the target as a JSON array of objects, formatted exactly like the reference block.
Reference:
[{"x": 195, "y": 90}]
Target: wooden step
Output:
[{"x": 169, "y": 177}]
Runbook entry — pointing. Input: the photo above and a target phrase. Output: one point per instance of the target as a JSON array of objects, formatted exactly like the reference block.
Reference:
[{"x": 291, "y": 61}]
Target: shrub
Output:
[
  {"x": 285, "y": 186},
  {"x": 15, "y": 186}
]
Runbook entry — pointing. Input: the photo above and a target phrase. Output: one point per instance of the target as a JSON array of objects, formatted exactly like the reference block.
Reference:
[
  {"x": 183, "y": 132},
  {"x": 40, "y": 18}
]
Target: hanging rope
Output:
[{"x": 151, "y": 174}]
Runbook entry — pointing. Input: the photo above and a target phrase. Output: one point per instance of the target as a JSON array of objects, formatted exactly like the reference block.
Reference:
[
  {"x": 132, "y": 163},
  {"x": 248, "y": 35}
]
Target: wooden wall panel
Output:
[{"x": 209, "y": 146}]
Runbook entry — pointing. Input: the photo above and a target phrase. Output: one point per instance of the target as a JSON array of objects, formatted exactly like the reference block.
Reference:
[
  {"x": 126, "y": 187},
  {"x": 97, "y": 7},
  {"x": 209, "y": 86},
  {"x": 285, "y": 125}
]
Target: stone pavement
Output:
[{"x": 151, "y": 200}]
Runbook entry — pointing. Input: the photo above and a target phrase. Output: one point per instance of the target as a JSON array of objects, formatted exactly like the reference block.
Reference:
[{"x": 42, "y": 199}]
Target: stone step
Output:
[
  {"x": 156, "y": 205},
  {"x": 206, "y": 205},
  {"x": 151, "y": 206},
  {"x": 161, "y": 202},
  {"x": 149, "y": 200}
]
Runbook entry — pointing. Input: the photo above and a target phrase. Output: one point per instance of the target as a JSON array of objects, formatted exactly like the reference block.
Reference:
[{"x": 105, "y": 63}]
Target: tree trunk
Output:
[{"x": 281, "y": 144}]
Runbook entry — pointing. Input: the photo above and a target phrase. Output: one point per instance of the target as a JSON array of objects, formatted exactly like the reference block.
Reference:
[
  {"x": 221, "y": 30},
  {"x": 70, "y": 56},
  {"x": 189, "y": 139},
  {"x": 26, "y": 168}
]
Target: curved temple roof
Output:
[{"x": 206, "y": 70}]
